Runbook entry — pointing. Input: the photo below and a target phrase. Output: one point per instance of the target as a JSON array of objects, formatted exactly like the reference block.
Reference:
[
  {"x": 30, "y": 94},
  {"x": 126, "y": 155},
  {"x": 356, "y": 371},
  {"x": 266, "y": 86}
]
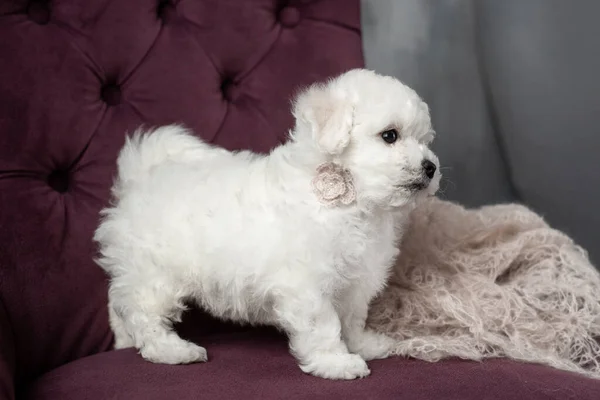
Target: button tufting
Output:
[
  {"x": 39, "y": 12},
  {"x": 230, "y": 90},
  {"x": 59, "y": 180},
  {"x": 289, "y": 17},
  {"x": 165, "y": 9},
  {"x": 111, "y": 94}
]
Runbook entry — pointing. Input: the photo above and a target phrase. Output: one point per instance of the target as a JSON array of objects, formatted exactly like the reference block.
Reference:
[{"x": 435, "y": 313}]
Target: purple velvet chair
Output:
[{"x": 75, "y": 76}]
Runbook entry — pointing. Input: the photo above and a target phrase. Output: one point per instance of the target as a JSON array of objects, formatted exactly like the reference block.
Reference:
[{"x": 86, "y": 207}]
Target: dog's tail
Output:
[{"x": 146, "y": 149}]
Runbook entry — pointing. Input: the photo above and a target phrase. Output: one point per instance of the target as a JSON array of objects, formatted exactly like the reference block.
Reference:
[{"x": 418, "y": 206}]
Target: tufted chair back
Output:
[{"x": 75, "y": 77}]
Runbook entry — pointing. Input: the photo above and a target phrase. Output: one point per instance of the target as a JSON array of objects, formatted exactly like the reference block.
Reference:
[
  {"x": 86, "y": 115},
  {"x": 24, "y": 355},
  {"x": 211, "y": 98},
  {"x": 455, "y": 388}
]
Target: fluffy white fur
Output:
[{"x": 244, "y": 236}]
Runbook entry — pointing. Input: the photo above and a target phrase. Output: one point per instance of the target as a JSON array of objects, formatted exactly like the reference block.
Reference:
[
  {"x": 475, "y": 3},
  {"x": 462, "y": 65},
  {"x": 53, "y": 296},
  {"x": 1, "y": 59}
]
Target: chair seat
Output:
[{"x": 256, "y": 364}]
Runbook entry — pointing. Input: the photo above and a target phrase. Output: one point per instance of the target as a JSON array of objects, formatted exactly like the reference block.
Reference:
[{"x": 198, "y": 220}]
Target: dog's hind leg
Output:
[
  {"x": 123, "y": 339},
  {"x": 142, "y": 317}
]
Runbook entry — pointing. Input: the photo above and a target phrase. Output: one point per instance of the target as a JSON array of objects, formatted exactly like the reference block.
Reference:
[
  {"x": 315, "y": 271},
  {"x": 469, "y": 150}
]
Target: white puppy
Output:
[{"x": 302, "y": 238}]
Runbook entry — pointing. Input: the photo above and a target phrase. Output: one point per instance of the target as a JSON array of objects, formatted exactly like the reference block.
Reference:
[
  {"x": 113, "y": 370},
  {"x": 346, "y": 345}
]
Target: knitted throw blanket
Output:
[{"x": 492, "y": 282}]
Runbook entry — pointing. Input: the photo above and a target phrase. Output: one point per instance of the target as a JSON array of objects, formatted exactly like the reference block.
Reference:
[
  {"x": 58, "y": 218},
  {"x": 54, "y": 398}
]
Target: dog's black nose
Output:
[{"x": 429, "y": 168}]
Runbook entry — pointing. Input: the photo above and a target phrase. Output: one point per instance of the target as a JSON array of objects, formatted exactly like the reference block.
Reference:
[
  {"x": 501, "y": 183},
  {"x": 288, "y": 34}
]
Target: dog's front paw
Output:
[
  {"x": 337, "y": 366},
  {"x": 173, "y": 351},
  {"x": 371, "y": 345}
]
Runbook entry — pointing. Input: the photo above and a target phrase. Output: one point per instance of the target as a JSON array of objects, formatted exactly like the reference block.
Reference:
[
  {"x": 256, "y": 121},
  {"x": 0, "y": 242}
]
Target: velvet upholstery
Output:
[
  {"x": 256, "y": 365},
  {"x": 75, "y": 77}
]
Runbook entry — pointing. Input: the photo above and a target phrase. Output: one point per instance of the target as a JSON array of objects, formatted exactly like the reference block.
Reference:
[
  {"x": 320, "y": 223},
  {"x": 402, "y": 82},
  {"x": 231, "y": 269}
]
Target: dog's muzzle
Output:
[{"x": 428, "y": 169}]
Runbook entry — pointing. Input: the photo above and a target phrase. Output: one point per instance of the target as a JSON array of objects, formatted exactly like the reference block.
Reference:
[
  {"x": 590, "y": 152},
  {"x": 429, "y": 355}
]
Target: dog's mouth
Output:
[{"x": 414, "y": 186}]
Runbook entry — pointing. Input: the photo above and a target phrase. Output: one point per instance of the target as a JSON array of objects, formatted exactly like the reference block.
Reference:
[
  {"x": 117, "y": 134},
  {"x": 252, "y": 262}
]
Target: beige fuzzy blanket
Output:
[{"x": 492, "y": 282}]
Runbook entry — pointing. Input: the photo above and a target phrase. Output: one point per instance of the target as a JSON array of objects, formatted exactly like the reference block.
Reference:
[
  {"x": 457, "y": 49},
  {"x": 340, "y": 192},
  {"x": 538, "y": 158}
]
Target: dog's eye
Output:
[{"x": 390, "y": 136}]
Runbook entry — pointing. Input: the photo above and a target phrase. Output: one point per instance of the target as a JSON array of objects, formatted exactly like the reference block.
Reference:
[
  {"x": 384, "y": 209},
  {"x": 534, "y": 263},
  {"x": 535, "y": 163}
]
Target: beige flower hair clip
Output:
[{"x": 333, "y": 185}]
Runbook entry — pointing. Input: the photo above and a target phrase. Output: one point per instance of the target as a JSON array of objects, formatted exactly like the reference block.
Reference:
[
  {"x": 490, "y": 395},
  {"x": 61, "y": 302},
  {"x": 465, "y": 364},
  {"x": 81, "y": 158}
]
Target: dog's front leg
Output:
[
  {"x": 314, "y": 331},
  {"x": 353, "y": 310}
]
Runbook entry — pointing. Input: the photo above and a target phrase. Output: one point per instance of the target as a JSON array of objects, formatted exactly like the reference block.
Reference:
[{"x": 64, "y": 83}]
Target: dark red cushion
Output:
[
  {"x": 75, "y": 76},
  {"x": 257, "y": 365}
]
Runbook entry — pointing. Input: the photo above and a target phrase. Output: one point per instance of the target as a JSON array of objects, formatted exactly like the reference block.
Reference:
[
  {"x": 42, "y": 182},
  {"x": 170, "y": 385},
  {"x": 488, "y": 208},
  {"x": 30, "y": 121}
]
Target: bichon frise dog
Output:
[{"x": 302, "y": 238}]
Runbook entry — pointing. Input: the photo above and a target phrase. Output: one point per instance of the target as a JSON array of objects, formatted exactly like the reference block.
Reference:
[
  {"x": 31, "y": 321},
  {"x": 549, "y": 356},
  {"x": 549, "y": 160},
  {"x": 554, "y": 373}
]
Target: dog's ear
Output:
[{"x": 327, "y": 116}]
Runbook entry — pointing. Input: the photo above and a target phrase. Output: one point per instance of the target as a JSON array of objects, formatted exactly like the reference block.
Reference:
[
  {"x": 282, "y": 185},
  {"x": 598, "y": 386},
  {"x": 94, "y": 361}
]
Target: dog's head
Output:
[{"x": 377, "y": 128}]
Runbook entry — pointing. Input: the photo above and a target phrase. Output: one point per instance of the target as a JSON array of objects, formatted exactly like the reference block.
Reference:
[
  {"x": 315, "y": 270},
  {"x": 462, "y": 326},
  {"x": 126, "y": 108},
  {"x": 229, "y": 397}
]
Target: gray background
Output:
[{"x": 514, "y": 89}]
